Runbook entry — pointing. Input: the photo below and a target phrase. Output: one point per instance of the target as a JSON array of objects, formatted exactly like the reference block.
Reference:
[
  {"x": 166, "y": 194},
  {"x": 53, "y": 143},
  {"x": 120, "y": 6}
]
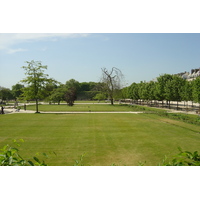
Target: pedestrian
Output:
[{"x": 2, "y": 112}]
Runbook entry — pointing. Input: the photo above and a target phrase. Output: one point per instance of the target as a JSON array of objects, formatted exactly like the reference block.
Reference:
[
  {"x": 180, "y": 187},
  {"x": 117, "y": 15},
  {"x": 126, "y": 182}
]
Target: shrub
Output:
[
  {"x": 9, "y": 156},
  {"x": 184, "y": 158}
]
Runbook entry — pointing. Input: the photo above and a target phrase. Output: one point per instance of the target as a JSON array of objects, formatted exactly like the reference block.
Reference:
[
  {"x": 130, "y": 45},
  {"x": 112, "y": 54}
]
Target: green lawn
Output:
[
  {"x": 82, "y": 107},
  {"x": 120, "y": 139}
]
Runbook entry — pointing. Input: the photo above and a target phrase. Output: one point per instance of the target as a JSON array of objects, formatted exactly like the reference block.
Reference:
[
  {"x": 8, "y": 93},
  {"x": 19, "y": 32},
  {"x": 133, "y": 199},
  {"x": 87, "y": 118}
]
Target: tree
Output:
[
  {"x": 99, "y": 97},
  {"x": 70, "y": 96},
  {"x": 6, "y": 94},
  {"x": 143, "y": 93},
  {"x": 17, "y": 90},
  {"x": 112, "y": 82},
  {"x": 84, "y": 86},
  {"x": 174, "y": 89},
  {"x": 58, "y": 95},
  {"x": 36, "y": 81},
  {"x": 72, "y": 83},
  {"x": 124, "y": 93},
  {"x": 196, "y": 90},
  {"x": 72, "y": 87},
  {"x": 151, "y": 87},
  {"x": 133, "y": 91},
  {"x": 50, "y": 87},
  {"x": 187, "y": 92},
  {"x": 160, "y": 87}
]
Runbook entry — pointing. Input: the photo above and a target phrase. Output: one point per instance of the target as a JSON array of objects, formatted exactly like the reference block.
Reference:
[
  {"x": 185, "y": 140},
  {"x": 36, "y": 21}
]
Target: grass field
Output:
[
  {"x": 106, "y": 139},
  {"x": 82, "y": 107}
]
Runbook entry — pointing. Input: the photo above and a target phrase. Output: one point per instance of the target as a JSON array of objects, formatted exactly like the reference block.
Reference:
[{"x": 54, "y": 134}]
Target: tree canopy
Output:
[
  {"x": 167, "y": 87},
  {"x": 38, "y": 86},
  {"x": 36, "y": 81}
]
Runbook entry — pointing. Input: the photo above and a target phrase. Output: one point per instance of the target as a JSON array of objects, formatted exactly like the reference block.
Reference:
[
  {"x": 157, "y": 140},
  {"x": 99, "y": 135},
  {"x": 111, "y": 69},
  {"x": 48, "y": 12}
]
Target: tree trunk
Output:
[{"x": 112, "y": 102}]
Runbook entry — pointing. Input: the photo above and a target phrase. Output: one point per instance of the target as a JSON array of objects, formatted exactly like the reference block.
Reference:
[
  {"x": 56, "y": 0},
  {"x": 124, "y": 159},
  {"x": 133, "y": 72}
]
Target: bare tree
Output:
[{"x": 112, "y": 82}]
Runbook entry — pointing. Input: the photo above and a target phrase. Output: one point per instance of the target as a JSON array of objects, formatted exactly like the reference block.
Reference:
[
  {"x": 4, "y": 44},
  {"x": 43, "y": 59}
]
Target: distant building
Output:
[{"x": 190, "y": 76}]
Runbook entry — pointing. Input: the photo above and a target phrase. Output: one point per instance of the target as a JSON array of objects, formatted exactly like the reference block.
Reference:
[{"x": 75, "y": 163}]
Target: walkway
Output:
[
  {"x": 10, "y": 110},
  {"x": 15, "y": 111}
]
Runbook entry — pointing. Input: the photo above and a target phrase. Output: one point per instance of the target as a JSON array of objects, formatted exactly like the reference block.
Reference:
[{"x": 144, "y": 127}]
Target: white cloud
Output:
[
  {"x": 7, "y": 40},
  {"x": 11, "y": 51}
]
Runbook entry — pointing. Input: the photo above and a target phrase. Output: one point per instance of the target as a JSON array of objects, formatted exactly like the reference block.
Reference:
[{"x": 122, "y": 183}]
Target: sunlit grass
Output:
[
  {"x": 120, "y": 139},
  {"x": 82, "y": 107}
]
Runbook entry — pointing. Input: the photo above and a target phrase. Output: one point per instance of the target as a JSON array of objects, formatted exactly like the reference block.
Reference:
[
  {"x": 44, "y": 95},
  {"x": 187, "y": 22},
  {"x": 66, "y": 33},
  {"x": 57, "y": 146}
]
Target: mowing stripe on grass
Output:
[{"x": 122, "y": 139}]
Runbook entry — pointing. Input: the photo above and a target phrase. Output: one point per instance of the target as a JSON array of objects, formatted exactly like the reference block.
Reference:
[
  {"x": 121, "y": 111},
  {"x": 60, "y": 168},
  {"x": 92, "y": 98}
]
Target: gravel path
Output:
[
  {"x": 10, "y": 110},
  {"x": 14, "y": 111}
]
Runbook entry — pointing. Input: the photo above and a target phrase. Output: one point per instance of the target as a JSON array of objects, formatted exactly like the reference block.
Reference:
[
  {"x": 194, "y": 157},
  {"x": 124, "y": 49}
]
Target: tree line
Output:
[
  {"x": 55, "y": 91},
  {"x": 166, "y": 88},
  {"x": 38, "y": 86}
]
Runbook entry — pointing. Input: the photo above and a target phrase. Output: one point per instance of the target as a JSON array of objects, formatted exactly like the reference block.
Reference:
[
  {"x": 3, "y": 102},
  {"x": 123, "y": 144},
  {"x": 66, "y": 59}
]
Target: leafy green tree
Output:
[
  {"x": 133, "y": 91},
  {"x": 196, "y": 90},
  {"x": 143, "y": 93},
  {"x": 146, "y": 91},
  {"x": 17, "y": 90},
  {"x": 87, "y": 86},
  {"x": 160, "y": 86},
  {"x": 72, "y": 88},
  {"x": 186, "y": 94},
  {"x": 70, "y": 96},
  {"x": 58, "y": 94},
  {"x": 87, "y": 95},
  {"x": 87, "y": 91},
  {"x": 6, "y": 94},
  {"x": 72, "y": 83},
  {"x": 36, "y": 81},
  {"x": 100, "y": 97},
  {"x": 84, "y": 86},
  {"x": 50, "y": 87},
  {"x": 174, "y": 89},
  {"x": 124, "y": 93},
  {"x": 151, "y": 88}
]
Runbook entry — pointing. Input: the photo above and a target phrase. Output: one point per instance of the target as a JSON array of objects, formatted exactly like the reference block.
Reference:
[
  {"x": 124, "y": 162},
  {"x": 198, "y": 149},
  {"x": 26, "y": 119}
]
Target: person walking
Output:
[{"x": 2, "y": 112}]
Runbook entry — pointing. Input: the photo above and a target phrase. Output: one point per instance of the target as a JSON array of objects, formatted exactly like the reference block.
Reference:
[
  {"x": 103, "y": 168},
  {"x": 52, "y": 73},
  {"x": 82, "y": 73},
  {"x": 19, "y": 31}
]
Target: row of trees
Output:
[
  {"x": 109, "y": 87},
  {"x": 14, "y": 93},
  {"x": 54, "y": 91},
  {"x": 72, "y": 90},
  {"x": 37, "y": 85},
  {"x": 167, "y": 87}
]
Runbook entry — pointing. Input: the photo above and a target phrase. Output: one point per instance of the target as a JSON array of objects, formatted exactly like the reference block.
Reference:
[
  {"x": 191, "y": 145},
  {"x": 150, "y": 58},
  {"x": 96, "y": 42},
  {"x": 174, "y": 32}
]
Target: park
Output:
[
  {"x": 105, "y": 130},
  {"x": 122, "y": 137}
]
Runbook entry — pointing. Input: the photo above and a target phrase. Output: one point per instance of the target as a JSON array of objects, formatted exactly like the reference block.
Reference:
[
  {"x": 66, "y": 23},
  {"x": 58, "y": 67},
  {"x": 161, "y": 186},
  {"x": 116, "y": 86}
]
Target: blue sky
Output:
[{"x": 140, "y": 57}]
